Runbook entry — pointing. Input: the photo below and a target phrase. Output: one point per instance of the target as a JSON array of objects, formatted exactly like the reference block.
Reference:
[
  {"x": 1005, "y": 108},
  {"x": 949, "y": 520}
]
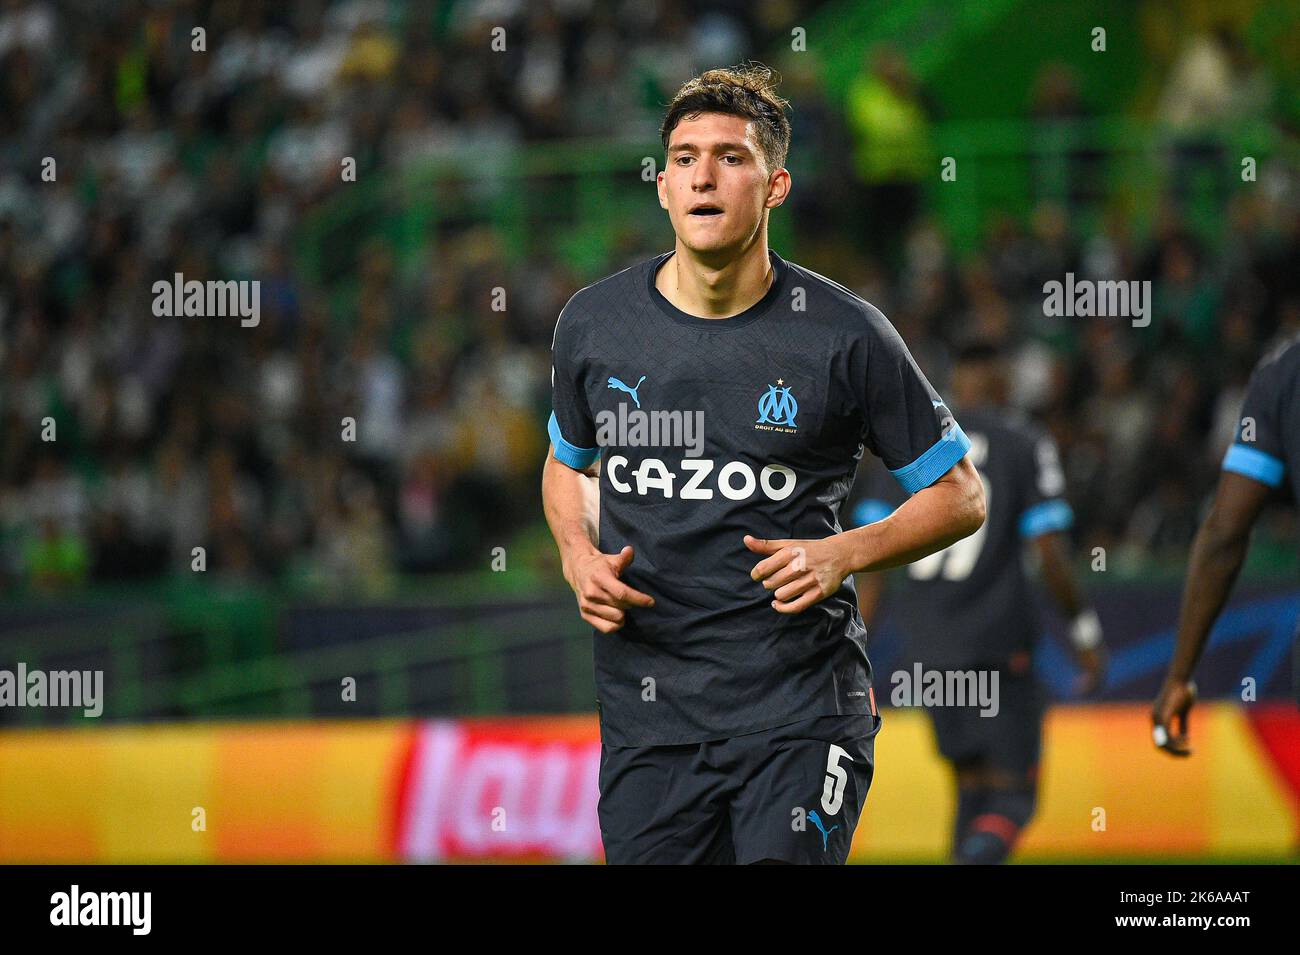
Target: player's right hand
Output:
[
  {"x": 602, "y": 597},
  {"x": 1175, "y": 701}
]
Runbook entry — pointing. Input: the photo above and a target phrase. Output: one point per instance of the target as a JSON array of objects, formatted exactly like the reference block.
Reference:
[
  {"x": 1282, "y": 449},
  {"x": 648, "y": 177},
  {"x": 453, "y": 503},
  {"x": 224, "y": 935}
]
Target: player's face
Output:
[{"x": 717, "y": 186}]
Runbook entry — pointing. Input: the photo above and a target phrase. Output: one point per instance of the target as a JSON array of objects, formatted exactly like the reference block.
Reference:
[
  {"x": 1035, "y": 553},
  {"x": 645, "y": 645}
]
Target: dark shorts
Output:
[
  {"x": 791, "y": 794},
  {"x": 1010, "y": 741}
]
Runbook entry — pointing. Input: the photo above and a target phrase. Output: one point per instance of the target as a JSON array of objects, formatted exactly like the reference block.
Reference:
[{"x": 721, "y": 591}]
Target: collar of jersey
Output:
[{"x": 740, "y": 319}]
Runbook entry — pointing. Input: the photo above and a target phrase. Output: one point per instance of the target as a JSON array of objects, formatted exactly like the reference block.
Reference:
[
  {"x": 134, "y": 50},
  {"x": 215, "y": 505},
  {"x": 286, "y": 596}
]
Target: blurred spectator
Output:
[
  {"x": 1214, "y": 83},
  {"x": 178, "y": 433},
  {"x": 890, "y": 121},
  {"x": 1066, "y": 167}
]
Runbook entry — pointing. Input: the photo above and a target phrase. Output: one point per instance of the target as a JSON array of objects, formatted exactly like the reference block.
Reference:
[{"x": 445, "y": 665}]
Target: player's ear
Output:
[
  {"x": 778, "y": 188},
  {"x": 661, "y": 187}
]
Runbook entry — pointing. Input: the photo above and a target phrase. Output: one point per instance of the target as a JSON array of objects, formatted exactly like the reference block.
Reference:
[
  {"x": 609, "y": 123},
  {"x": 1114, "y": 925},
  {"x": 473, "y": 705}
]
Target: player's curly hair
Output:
[{"x": 747, "y": 90}]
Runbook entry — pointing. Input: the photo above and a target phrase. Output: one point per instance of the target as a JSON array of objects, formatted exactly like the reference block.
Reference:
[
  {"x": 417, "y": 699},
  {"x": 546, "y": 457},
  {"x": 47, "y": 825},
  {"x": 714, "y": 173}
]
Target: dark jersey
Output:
[
  {"x": 1266, "y": 446},
  {"x": 711, "y": 429},
  {"x": 1267, "y": 443},
  {"x": 969, "y": 605}
]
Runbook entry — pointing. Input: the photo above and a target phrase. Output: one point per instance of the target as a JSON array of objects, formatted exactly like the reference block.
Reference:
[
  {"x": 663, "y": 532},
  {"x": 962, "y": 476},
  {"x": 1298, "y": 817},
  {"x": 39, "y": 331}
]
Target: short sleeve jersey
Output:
[
  {"x": 1266, "y": 446},
  {"x": 711, "y": 429}
]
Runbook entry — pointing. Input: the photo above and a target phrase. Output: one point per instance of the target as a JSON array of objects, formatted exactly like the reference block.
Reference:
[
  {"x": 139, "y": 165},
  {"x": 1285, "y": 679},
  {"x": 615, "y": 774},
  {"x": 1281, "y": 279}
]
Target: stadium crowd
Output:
[{"x": 172, "y": 433}]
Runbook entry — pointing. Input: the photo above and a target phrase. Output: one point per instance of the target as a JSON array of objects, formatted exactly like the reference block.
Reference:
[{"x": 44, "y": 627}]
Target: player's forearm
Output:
[
  {"x": 1057, "y": 576},
  {"x": 571, "y": 502},
  {"x": 930, "y": 520},
  {"x": 1217, "y": 555}
]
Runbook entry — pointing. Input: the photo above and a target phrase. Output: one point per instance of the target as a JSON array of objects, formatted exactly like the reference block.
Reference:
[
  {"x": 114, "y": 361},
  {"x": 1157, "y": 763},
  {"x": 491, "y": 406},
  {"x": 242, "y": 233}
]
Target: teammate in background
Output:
[
  {"x": 736, "y": 711},
  {"x": 969, "y": 607},
  {"x": 1264, "y": 454}
]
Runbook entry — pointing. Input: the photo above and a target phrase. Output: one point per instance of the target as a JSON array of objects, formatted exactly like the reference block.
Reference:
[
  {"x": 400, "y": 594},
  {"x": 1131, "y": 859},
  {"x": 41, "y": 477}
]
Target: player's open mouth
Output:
[{"x": 706, "y": 211}]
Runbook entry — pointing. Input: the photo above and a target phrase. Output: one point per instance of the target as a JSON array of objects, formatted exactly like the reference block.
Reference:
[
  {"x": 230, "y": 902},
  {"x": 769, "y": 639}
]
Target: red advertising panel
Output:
[{"x": 501, "y": 789}]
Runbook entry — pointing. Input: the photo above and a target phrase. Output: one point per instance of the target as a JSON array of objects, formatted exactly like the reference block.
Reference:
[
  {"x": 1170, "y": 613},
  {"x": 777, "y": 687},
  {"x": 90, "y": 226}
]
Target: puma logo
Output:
[
  {"x": 826, "y": 833},
  {"x": 619, "y": 386}
]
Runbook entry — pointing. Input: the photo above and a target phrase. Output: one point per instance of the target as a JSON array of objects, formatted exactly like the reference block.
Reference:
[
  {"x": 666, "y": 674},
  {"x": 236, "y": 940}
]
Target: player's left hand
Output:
[
  {"x": 801, "y": 572},
  {"x": 1174, "y": 702}
]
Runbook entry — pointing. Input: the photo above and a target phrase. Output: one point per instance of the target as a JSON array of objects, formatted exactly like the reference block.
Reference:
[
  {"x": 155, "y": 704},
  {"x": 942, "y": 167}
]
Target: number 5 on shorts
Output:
[{"x": 837, "y": 777}]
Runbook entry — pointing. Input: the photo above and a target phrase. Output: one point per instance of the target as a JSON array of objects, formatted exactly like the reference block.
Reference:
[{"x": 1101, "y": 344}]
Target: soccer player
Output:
[
  {"x": 969, "y": 610},
  {"x": 710, "y": 408},
  {"x": 1265, "y": 451}
]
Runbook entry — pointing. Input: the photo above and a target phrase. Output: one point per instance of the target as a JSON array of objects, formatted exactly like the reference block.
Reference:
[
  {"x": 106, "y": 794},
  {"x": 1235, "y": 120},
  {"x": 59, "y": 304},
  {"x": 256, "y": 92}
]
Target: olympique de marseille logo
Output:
[{"x": 777, "y": 408}]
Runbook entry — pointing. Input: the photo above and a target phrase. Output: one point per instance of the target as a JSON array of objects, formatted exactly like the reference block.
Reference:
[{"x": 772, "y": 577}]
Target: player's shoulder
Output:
[
  {"x": 1282, "y": 361},
  {"x": 833, "y": 302},
  {"x": 1275, "y": 382},
  {"x": 591, "y": 299},
  {"x": 592, "y": 304}
]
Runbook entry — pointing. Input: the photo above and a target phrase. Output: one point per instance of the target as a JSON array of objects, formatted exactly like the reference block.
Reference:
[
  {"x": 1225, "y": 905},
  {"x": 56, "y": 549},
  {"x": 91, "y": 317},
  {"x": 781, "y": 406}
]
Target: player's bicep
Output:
[
  {"x": 1238, "y": 501},
  {"x": 967, "y": 483},
  {"x": 1259, "y": 465},
  {"x": 553, "y": 460}
]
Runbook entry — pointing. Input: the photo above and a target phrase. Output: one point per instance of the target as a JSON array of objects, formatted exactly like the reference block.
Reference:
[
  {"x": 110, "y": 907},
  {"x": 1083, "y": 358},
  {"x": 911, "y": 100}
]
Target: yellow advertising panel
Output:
[{"x": 525, "y": 789}]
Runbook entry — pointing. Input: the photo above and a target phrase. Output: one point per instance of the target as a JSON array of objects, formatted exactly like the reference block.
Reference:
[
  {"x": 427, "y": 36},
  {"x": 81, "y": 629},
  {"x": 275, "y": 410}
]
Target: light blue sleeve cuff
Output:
[
  {"x": 934, "y": 463},
  {"x": 1254, "y": 463},
  {"x": 869, "y": 511},
  {"x": 1046, "y": 517},
  {"x": 570, "y": 454}
]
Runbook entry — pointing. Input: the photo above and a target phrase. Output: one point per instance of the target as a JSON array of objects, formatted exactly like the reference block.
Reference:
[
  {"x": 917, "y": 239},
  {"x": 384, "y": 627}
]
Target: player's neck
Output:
[{"x": 716, "y": 290}]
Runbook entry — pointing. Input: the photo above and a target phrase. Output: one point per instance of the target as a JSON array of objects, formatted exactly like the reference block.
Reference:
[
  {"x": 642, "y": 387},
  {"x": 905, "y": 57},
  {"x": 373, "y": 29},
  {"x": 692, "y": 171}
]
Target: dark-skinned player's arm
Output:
[
  {"x": 1217, "y": 555},
  {"x": 1085, "y": 628},
  {"x": 802, "y": 572},
  {"x": 571, "y": 500}
]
